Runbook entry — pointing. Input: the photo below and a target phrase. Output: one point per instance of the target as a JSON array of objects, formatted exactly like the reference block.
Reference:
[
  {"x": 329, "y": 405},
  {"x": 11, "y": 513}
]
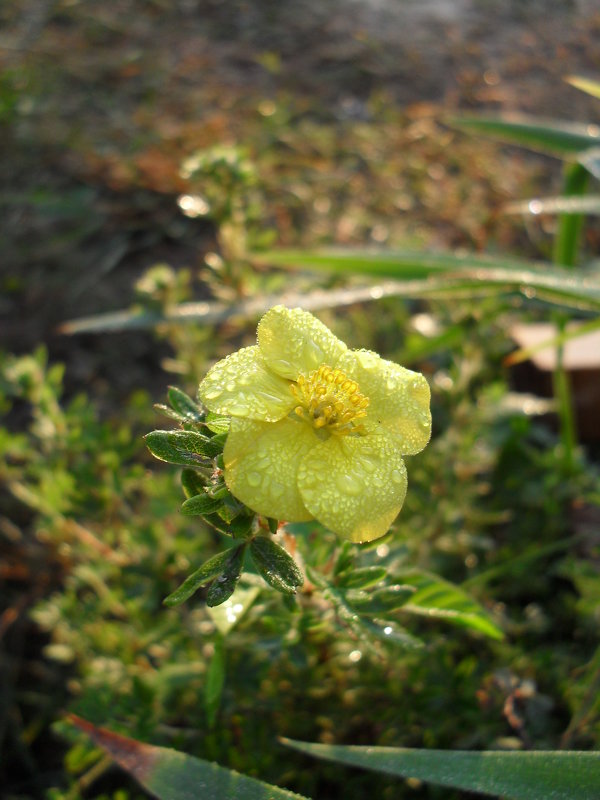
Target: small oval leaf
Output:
[
  {"x": 192, "y": 482},
  {"x": 276, "y": 565},
  {"x": 181, "y": 447},
  {"x": 184, "y": 405},
  {"x": 224, "y": 585},
  {"x": 209, "y": 570},
  {"x": 201, "y": 504}
]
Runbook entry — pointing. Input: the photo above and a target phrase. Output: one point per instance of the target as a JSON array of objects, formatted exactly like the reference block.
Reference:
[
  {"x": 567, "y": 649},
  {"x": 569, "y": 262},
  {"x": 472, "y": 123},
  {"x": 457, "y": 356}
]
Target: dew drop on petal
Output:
[
  {"x": 253, "y": 478},
  {"x": 349, "y": 484},
  {"x": 213, "y": 393},
  {"x": 397, "y": 476}
]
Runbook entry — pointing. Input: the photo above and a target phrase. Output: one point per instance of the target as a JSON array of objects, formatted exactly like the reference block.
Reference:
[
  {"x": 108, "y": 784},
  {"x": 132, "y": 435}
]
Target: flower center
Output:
[{"x": 331, "y": 400}]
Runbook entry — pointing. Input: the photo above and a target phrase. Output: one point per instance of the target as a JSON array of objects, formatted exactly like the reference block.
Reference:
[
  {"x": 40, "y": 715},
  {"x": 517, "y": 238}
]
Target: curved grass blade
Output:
[
  {"x": 551, "y": 136},
  {"x": 170, "y": 775},
  {"x": 451, "y": 272},
  {"x": 541, "y": 775}
]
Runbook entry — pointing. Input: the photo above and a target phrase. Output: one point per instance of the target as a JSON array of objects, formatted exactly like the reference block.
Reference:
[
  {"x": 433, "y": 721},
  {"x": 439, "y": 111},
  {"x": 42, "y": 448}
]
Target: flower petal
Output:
[
  {"x": 242, "y": 386},
  {"x": 261, "y": 465},
  {"x": 398, "y": 398},
  {"x": 293, "y": 341},
  {"x": 354, "y": 485}
]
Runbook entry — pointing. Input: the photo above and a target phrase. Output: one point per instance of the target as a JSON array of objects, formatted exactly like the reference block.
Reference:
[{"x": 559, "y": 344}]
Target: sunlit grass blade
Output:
[
  {"x": 560, "y": 775},
  {"x": 438, "y": 599},
  {"x": 453, "y": 272},
  {"x": 585, "y": 84},
  {"x": 554, "y": 137},
  {"x": 556, "y": 205},
  {"x": 170, "y": 775}
]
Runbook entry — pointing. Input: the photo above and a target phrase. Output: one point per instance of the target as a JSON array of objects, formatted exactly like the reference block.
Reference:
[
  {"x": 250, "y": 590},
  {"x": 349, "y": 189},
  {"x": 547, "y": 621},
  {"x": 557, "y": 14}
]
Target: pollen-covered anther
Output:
[{"x": 329, "y": 399}]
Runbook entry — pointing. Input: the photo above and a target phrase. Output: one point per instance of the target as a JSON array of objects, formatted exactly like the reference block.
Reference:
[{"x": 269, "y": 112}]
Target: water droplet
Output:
[
  {"x": 253, "y": 478},
  {"x": 230, "y": 387},
  {"x": 397, "y": 476},
  {"x": 213, "y": 392},
  {"x": 387, "y": 630},
  {"x": 349, "y": 484}
]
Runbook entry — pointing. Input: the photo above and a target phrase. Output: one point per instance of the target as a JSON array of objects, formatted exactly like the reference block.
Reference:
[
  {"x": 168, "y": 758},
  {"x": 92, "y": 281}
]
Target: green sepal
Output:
[
  {"x": 201, "y": 504},
  {"x": 207, "y": 572},
  {"x": 217, "y": 423},
  {"x": 362, "y": 577},
  {"x": 182, "y": 447},
  {"x": 224, "y": 585},
  {"x": 273, "y": 524},
  {"x": 184, "y": 405},
  {"x": 276, "y": 565}
]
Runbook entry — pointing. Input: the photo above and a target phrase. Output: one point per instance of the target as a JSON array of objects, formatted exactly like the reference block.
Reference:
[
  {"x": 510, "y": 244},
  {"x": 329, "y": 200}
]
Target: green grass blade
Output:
[
  {"x": 552, "y": 775},
  {"x": 554, "y": 137},
  {"x": 453, "y": 273},
  {"x": 170, "y": 775},
  {"x": 566, "y": 242}
]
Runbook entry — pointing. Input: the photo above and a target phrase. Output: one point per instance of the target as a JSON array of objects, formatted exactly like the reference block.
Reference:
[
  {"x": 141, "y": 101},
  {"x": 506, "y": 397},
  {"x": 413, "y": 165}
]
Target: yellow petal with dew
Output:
[
  {"x": 261, "y": 466},
  {"x": 242, "y": 386},
  {"x": 292, "y": 341},
  {"x": 354, "y": 485},
  {"x": 398, "y": 398}
]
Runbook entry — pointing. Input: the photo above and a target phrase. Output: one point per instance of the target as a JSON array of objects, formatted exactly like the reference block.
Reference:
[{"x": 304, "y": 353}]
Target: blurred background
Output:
[{"x": 148, "y": 149}]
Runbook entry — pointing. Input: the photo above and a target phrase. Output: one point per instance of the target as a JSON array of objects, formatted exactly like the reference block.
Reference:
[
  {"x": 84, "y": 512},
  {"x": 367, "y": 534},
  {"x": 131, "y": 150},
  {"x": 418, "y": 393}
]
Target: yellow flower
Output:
[{"x": 318, "y": 431}]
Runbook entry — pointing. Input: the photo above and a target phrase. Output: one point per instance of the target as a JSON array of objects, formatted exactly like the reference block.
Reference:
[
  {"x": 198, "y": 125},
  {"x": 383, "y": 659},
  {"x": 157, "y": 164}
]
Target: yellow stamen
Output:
[{"x": 329, "y": 399}]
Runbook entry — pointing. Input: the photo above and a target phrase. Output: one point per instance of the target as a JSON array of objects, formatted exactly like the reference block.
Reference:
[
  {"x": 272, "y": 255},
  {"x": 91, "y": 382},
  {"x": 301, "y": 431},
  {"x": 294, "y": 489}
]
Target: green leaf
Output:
[
  {"x": 192, "y": 482},
  {"x": 276, "y": 565},
  {"x": 362, "y": 577},
  {"x": 170, "y": 775},
  {"x": 224, "y": 585},
  {"x": 184, "y": 405},
  {"x": 437, "y": 598},
  {"x": 541, "y": 775},
  {"x": 209, "y": 570},
  {"x": 229, "y": 613},
  {"x": 181, "y": 447},
  {"x": 554, "y": 137},
  {"x": 215, "y": 681},
  {"x": 242, "y": 525},
  {"x": 389, "y": 632},
  {"x": 201, "y": 504}
]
